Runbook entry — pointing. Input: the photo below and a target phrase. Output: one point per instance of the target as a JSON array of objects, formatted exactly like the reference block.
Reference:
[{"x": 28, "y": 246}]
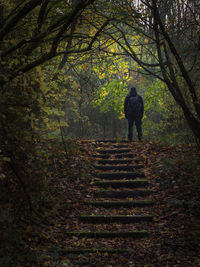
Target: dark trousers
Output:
[{"x": 138, "y": 124}]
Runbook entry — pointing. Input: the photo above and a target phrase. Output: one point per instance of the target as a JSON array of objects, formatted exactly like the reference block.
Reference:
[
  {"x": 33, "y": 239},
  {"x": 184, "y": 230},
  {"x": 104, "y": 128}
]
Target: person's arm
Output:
[
  {"x": 126, "y": 107},
  {"x": 142, "y": 109}
]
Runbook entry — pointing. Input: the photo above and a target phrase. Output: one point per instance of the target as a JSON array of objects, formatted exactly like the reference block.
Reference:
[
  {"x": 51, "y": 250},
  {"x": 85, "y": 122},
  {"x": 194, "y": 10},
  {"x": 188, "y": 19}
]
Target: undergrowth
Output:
[{"x": 27, "y": 208}]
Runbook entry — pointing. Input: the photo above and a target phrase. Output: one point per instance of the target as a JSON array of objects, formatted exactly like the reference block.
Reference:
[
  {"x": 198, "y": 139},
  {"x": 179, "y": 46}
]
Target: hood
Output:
[{"x": 133, "y": 91}]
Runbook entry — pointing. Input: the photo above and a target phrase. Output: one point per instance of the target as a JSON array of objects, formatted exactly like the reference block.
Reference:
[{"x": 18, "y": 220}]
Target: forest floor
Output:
[{"x": 173, "y": 173}]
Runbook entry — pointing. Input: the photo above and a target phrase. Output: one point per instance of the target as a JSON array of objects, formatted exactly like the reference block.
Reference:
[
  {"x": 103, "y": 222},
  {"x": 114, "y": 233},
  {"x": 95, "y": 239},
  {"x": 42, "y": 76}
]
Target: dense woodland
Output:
[{"x": 65, "y": 69}]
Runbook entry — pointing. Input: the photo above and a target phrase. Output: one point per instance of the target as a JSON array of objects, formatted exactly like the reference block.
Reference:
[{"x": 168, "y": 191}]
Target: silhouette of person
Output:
[{"x": 133, "y": 110}]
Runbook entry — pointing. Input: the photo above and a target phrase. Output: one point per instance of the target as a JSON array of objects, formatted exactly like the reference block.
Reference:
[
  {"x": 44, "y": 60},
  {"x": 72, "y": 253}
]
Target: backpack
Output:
[{"x": 134, "y": 104}]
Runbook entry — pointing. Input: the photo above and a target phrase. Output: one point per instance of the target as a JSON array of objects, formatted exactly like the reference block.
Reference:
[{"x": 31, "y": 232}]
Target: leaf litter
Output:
[{"x": 174, "y": 234}]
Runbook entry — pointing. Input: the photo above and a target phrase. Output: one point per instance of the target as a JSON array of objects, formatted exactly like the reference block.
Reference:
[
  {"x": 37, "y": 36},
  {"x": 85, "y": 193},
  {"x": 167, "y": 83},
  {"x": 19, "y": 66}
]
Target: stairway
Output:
[{"x": 119, "y": 185}]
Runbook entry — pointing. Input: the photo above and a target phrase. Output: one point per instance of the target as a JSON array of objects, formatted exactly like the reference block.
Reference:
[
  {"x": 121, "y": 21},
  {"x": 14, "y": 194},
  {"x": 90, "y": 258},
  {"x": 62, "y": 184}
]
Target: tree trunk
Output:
[{"x": 170, "y": 77}]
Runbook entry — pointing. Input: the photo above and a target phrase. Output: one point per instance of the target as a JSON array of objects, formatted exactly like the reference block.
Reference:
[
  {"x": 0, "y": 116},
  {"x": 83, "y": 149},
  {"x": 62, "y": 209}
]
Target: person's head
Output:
[{"x": 133, "y": 91}]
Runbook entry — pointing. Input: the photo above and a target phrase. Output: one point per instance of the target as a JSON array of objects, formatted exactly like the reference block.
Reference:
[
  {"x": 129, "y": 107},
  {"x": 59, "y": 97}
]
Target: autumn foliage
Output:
[{"x": 65, "y": 69}]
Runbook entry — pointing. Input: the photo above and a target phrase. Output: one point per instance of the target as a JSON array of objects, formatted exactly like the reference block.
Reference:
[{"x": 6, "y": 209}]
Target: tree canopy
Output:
[{"x": 66, "y": 67}]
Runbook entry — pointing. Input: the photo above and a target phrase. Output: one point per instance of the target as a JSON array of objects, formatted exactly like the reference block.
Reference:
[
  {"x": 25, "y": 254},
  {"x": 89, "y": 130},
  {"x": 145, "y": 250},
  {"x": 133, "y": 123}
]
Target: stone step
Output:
[
  {"x": 67, "y": 251},
  {"x": 115, "y": 204},
  {"x": 113, "y": 151},
  {"x": 119, "y": 175},
  {"x": 118, "y": 161},
  {"x": 122, "y": 183},
  {"x": 125, "y": 155},
  {"x": 125, "y": 219},
  {"x": 102, "y": 156},
  {"x": 121, "y": 146},
  {"x": 115, "y": 161},
  {"x": 112, "y": 141},
  {"x": 118, "y": 234},
  {"x": 118, "y": 167},
  {"x": 122, "y": 194},
  {"x": 105, "y": 145}
]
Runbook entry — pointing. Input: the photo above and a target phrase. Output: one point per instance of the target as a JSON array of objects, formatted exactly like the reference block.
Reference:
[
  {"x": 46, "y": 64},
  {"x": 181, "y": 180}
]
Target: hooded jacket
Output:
[{"x": 127, "y": 112}]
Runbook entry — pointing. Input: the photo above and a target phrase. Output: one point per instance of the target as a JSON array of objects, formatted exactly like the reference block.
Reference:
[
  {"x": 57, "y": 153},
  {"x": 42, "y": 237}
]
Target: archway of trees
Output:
[
  {"x": 66, "y": 67},
  {"x": 58, "y": 57}
]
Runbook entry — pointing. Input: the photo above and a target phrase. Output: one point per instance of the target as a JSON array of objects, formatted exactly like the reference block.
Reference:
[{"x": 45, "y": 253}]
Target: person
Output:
[{"x": 133, "y": 110}]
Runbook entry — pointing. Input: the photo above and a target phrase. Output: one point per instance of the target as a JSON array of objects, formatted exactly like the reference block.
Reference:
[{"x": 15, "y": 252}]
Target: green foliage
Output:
[
  {"x": 161, "y": 111},
  {"x": 111, "y": 97},
  {"x": 41, "y": 101},
  {"x": 163, "y": 118}
]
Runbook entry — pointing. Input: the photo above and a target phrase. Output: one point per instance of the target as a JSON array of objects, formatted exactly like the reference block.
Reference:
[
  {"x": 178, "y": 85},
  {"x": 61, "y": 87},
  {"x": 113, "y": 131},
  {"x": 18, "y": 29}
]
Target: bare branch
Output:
[
  {"x": 50, "y": 55},
  {"x": 17, "y": 17}
]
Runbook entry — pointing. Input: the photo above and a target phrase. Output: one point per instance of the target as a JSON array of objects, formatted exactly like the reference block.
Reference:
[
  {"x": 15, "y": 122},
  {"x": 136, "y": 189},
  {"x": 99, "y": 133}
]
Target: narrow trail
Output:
[
  {"x": 118, "y": 217},
  {"x": 123, "y": 206}
]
